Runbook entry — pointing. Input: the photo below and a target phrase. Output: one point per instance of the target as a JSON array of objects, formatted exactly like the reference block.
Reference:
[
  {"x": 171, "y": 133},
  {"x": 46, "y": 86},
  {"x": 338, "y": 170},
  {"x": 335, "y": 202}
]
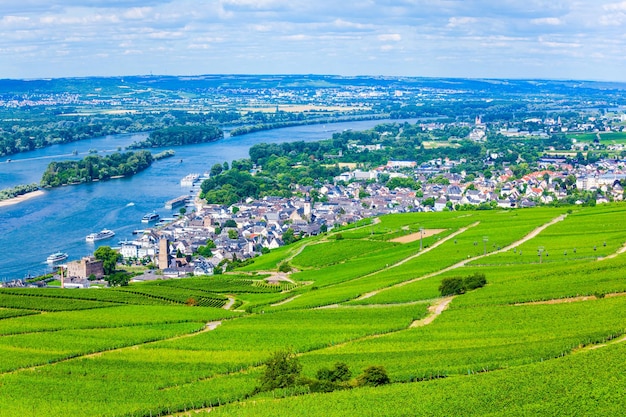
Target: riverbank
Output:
[{"x": 20, "y": 198}]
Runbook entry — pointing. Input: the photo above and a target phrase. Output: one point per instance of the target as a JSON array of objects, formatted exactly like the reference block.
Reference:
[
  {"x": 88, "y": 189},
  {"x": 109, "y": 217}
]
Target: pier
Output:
[{"x": 178, "y": 201}]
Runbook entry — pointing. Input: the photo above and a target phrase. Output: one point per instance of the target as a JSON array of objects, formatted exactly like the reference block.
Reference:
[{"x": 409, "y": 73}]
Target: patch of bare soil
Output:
[
  {"x": 416, "y": 236},
  {"x": 434, "y": 310}
]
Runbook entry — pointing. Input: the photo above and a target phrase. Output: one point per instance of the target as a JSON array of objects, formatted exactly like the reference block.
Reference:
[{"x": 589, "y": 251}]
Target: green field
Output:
[
  {"x": 606, "y": 138},
  {"x": 545, "y": 336}
]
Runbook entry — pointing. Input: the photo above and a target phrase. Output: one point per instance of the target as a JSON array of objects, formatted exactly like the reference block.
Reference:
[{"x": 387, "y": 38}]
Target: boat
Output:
[
  {"x": 56, "y": 257},
  {"x": 103, "y": 234},
  {"x": 150, "y": 217},
  {"x": 189, "y": 180}
]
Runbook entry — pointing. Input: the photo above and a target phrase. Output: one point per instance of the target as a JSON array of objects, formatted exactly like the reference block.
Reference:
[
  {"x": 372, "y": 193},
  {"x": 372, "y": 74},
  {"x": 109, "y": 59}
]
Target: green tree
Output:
[
  {"x": 476, "y": 280},
  {"x": 282, "y": 370},
  {"x": 289, "y": 236},
  {"x": 118, "y": 279},
  {"x": 230, "y": 223},
  {"x": 216, "y": 170},
  {"x": 233, "y": 234},
  {"x": 451, "y": 286},
  {"x": 339, "y": 373},
  {"x": 373, "y": 376},
  {"x": 109, "y": 258}
]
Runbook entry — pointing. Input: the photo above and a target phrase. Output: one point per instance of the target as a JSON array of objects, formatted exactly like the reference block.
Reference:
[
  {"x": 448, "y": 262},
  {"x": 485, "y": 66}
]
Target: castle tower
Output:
[{"x": 164, "y": 253}]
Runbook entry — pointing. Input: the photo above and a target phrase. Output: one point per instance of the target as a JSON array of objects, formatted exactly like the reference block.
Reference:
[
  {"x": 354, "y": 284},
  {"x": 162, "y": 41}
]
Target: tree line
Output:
[{"x": 31, "y": 129}]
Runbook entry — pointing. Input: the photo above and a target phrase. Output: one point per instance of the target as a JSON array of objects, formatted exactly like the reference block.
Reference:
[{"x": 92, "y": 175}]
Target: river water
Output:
[{"x": 60, "y": 219}]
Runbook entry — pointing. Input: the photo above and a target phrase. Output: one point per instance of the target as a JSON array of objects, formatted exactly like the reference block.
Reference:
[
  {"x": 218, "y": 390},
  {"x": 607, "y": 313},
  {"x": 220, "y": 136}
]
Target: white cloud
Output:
[
  {"x": 553, "y": 21},
  {"x": 461, "y": 21},
  {"x": 395, "y": 37},
  {"x": 300, "y": 35},
  {"x": 137, "y": 13},
  {"x": 615, "y": 7}
]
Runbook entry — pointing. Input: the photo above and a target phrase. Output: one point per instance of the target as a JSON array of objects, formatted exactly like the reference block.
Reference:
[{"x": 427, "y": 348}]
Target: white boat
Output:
[
  {"x": 56, "y": 257},
  {"x": 189, "y": 180},
  {"x": 150, "y": 217},
  {"x": 103, "y": 234}
]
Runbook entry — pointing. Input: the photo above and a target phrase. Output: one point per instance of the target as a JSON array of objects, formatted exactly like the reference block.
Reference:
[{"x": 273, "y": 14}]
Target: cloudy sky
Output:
[{"x": 556, "y": 39}]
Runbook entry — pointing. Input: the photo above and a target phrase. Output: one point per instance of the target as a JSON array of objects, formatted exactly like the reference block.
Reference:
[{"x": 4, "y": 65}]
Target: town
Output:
[{"x": 209, "y": 239}]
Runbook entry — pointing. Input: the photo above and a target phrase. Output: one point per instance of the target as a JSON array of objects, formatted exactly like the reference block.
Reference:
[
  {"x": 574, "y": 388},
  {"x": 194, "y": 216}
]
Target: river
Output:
[{"x": 60, "y": 219}]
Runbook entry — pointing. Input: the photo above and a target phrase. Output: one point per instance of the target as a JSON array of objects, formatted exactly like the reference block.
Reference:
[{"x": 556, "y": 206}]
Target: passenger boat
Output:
[
  {"x": 103, "y": 234},
  {"x": 56, "y": 257},
  {"x": 150, "y": 217}
]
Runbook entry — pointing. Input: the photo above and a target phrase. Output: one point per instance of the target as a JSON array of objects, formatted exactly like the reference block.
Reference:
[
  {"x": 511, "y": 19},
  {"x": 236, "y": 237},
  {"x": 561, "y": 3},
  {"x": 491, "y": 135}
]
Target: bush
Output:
[
  {"x": 282, "y": 370},
  {"x": 472, "y": 282},
  {"x": 373, "y": 376},
  {"x": 339, "y": 373},
  {"x": 451, "y": 286},
  {"x": 458, "y": 285},
  {"x": 284, "y": 267}
]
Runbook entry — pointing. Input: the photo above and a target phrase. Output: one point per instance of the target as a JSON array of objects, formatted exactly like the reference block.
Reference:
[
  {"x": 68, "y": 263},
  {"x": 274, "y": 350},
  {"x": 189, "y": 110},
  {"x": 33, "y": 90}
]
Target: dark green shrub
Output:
[
  {"x": 451, "y": 286},
  {"x": 339, "y": 373},
  {"x": 477, "y": 280},
  {"x": 282, "y": 370},
  {"x": 373, "y": 376}
]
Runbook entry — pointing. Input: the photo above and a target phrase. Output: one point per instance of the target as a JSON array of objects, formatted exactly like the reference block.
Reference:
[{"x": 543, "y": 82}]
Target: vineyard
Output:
[{"x": 546, "y": 335}]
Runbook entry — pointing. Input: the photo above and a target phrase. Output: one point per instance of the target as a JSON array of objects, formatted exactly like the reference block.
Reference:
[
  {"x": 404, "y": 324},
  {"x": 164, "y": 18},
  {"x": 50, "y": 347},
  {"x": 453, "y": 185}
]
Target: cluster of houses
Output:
[
  {"x": 211, "y": 235},
  {"x": 250, "y": 228}
]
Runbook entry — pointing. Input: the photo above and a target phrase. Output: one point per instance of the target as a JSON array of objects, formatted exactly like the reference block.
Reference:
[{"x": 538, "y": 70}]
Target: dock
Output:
[{"x": 178, "y": 201}]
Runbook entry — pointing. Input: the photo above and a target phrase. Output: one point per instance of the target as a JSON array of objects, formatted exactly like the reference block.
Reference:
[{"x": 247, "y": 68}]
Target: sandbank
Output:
[{"x": 20, "y": 198}]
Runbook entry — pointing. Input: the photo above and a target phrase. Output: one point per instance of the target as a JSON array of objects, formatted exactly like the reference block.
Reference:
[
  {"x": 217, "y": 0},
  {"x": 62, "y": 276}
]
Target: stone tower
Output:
[{"x": 164, "y": 253}]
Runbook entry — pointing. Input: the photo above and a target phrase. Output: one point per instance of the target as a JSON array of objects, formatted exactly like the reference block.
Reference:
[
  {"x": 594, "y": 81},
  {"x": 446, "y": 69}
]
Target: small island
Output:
[
  {"x": 96, "y": 168},
  {"x": 180, "y": 135}
]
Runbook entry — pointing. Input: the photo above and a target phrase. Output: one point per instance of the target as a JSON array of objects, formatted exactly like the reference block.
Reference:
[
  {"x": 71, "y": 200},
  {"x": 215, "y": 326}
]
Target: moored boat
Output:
[
  {"x": 103, "y": 234},
  {"x": 150, "y": 217}
]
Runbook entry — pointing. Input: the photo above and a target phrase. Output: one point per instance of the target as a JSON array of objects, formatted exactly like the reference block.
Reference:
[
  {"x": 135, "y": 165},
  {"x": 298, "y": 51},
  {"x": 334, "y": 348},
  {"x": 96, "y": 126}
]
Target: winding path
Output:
[
  {"x": 229, "y": 304},
  {"x": 434, "y": 310}
]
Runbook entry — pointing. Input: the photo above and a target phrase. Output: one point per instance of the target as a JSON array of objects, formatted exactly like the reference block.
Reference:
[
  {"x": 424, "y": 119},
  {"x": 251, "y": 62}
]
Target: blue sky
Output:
[{"x": 556, "y": 39}]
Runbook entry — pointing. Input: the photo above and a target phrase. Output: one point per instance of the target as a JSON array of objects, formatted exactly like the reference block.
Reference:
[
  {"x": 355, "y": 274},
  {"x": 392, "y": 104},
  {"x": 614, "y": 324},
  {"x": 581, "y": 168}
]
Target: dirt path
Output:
[
  {"x": 285, "y": 301},
  {"x": 229, "y": 304},
  {"x": 212, "y": 325},
  {"x": 417, "y": 236},
  {"x": 571, "y": 299},
  {"x": 434, "y": 310},
  {"x": 614, "y": 255},
  {"x": 464, "y": 262}
]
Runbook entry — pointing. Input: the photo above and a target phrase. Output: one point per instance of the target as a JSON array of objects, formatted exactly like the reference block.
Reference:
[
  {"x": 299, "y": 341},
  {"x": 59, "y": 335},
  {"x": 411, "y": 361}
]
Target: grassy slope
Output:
[{"x": 527, "y": 349}]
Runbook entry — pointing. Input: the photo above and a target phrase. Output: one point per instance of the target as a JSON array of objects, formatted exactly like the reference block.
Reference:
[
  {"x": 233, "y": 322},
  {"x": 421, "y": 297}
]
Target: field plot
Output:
[
  {"x": 156, "y": 349},
  {"x": 332, "y": 252}
]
